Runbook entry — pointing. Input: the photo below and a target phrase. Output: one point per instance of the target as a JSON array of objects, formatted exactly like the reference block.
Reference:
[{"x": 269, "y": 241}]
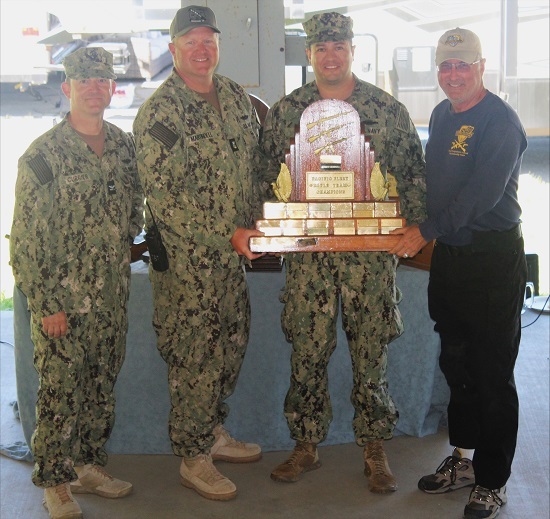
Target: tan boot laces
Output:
[
  {"x": 230, "y": 441},
  {"x": 99, "y": 470},
  {"x": 210, "y": 473},
  {"x": 376, "y": 455},
  {"x": 62, "y": 493},
  {"x": 298, "y": 453}
]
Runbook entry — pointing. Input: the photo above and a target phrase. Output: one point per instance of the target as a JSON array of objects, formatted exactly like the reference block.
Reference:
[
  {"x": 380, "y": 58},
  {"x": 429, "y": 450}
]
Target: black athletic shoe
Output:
[{"x": 453, "y": 473}]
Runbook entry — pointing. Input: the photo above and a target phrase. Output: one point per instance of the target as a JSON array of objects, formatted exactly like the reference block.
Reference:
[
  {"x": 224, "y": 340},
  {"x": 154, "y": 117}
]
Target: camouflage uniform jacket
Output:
[
  {"x": 75, "y": 216},
  {"x": 396, "y": 142},
  {"x": 197, "y": 168}
]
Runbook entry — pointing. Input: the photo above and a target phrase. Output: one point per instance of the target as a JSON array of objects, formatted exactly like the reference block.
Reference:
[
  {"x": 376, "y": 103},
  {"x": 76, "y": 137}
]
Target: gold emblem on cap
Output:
[{"x": 453, "y": 40}]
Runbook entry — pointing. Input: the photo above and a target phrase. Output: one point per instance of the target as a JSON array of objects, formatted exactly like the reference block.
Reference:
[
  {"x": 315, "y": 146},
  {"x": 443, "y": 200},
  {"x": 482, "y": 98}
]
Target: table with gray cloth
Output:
[{"x": 415, "y": 380}]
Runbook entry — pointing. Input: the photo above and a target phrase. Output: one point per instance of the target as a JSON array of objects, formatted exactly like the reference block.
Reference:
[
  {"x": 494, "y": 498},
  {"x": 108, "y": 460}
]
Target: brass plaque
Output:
[
  {"x": 317, "y": 227},
  {"x": 367, "y": 230},
  {"x": 389, "y": 224},
  {"x": 341, "y": 210},
  {"x": 343, "y": 227},
  {"x": 282, "y": 244},
  {"x": 296, "y": 210},
  {"x": 293, "y": 227},
  {"x": 363, "y": 209},
  {"x": 367, "y": 226},
  {"x": 329, "y": 185},
  {"x": 385, "y": 209},
  {"x": 319, "y": 210},
  {"x": 274, "y": 210},
  {"x": 269, "y": 227}
]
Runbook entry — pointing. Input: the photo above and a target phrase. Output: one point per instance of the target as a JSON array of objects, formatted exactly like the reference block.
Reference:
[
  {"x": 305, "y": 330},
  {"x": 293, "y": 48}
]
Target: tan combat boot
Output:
[
  {"x": 60, "y": 503},
  {"x": 381, "y": 479},
  {"x": 227, "y": 448},
  {"x": 200, "y": 474},
  {"x": 92, "y": 479},
  {"x": 304, "y": 458}
]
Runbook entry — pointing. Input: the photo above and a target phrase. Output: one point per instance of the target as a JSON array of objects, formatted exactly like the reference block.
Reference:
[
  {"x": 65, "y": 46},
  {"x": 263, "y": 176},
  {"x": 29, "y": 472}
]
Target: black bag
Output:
[{"x": 157, "y": 251}]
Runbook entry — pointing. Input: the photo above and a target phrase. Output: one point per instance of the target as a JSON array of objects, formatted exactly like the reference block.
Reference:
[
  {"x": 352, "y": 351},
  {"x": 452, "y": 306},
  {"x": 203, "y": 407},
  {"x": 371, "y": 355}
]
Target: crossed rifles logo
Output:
[{"x": 460, "y": 143}]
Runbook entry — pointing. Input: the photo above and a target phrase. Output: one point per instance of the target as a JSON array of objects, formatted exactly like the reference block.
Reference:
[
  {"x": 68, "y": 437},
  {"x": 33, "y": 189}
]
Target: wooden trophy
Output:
[{"x": 332, "y": 194}]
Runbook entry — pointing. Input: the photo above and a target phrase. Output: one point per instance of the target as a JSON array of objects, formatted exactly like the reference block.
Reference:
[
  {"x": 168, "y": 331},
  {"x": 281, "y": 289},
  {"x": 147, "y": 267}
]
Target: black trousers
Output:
[{"x": 475, "y": 297}]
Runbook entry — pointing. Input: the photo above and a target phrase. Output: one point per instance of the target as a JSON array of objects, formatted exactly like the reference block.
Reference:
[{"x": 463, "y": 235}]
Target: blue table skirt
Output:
[{"x": 416, "y": 382}]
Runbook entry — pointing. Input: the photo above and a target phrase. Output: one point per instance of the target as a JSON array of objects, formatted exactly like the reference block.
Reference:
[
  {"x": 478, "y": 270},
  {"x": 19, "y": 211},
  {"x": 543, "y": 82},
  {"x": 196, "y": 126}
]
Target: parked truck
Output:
[
  {"x": 253, "y": 36},
  {"x": 23, "y": 61},
  {"x": 38, "y": 35}
]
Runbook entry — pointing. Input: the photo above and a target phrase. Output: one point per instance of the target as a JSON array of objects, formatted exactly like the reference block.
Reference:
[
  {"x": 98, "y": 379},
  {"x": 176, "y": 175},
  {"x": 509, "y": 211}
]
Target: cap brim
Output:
[
  {"x": 90, "y": 75},
  {"x": 466, "y": 56},
  {"x": 325, "y": 36},
  {"x": 188, "y": 29}
]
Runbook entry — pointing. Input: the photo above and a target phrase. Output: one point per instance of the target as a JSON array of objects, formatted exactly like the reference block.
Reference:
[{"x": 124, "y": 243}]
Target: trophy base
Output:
[{"x": 355, "y": 243}]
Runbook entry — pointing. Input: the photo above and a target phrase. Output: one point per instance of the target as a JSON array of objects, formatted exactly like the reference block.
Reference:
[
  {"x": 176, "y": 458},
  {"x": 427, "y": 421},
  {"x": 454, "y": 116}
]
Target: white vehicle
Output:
[
  {"x": 22, "y": 60},
  {"x": 119, "y": 50},
  {"x": 37, "y": 36}
]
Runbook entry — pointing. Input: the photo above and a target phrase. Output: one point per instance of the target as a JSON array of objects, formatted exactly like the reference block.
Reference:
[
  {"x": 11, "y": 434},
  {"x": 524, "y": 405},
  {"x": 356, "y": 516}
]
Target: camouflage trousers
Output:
[
  {"x": 75, "y": 409},
  {"x": 202, "y": 324},
  {"x": 364, "y": 285}
]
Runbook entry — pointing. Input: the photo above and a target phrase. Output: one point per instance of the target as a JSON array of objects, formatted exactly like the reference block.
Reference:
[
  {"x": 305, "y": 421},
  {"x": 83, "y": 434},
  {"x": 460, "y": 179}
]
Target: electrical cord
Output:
[{"x": 540, "y": 313}]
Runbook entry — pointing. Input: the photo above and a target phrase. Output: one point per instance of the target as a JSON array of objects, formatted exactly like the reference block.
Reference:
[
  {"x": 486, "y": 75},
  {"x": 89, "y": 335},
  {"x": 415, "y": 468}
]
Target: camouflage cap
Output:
[
  {"x": 459, "y": 44},
  {"x": 89, "y": 62},
  {"x": 328, "y": 27},
  {"x": 191, "y": 17}
]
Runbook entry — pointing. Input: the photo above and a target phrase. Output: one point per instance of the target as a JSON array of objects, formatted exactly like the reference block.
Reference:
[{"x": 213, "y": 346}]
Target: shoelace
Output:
[
  {"x": 62, "y": 494},
  {"x": 229, "y": 440},
  {"x": 377, "y": 456},
  {"x": 486, "y": 495},
  {"x": 101, "y": 472},
  {"x": 211, "y": 473},
  {"x": 449, "y": 466},
  {"x": 298, "y": 453}
]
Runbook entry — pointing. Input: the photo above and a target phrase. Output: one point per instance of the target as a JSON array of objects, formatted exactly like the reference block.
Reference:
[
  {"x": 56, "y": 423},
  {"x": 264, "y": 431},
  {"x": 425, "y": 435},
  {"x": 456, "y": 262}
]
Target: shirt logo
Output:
[
  {"x": 459, "y": 146},
  {"x": 234, "y": 145},
  {"x": 111, "y": 189}
]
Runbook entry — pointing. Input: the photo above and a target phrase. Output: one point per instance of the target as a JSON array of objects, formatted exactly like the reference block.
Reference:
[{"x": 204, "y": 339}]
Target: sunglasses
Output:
[{"x": 461, "y": 66}]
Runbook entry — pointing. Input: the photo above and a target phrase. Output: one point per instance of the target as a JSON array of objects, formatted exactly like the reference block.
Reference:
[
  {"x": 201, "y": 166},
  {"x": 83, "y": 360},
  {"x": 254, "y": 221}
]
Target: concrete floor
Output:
[{"x": 337, "y": 490}]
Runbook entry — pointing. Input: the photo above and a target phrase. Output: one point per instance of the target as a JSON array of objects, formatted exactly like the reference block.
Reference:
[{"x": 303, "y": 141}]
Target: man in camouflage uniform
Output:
[
  {"x": 196, "y": 141},
  {"x": 78, "y": 208},
  {"x": 364, "y": 282}
]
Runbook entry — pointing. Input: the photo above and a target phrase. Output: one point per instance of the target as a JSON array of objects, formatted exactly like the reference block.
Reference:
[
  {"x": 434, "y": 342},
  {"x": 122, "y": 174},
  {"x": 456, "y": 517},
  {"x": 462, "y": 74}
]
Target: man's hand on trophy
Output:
[
  {"x": 240, "y": 239},
  {"x": 410, "y": 243}
]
